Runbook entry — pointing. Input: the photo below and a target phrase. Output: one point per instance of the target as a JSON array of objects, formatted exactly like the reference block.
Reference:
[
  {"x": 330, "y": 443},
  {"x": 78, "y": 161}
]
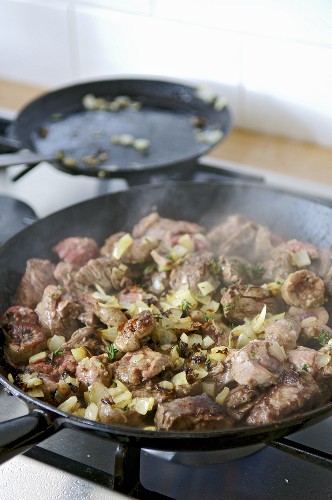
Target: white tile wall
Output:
[
  {"x": 271, "y": 58},
  {"x": 35, "y": 42}
]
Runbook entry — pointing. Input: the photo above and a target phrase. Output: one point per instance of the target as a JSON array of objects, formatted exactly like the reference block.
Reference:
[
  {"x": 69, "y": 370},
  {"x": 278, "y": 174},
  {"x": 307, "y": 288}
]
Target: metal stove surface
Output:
[{"x": 70, "y": 465}]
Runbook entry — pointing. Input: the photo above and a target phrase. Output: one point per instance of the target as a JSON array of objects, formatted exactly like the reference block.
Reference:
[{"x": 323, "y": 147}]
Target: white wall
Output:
[{"x": 272, "y": 59}]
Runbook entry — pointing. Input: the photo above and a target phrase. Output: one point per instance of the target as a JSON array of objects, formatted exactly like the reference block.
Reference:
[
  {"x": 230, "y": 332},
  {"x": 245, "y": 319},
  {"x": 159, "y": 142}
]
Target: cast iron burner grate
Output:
[{"x": 145, "y": 474}]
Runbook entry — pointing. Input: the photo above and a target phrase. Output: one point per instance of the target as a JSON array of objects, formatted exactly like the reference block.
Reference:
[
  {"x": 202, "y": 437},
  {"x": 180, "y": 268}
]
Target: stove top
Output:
[{"x": 72, "y": 464}]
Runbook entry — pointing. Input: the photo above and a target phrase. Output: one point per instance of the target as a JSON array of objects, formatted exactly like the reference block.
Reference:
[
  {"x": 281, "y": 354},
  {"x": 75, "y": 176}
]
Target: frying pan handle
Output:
[
  {"x": 20, "y": 434},
  {"x": 10, "y": 143}
]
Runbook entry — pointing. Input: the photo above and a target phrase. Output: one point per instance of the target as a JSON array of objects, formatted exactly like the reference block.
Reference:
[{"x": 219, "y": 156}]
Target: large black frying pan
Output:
[
  {"x": 180, "y": 122},
  {"x": 290, "y": 215}
]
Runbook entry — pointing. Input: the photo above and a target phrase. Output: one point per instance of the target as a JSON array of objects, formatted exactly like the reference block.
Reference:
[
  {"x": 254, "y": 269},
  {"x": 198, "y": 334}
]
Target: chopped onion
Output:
[
  {"x": 36, "y": 393},
  {"x": 31, "y": 379},
  {"x": 122, "y": 400},
  {"x": 143, "y": 405},
  {"x": 91, "y": 412},
  {"x": 194, "y": 338},
  {"x": 175, "y": 353},
  {"x": 37, "y": 357},
  {"x": 79, "y": 353},
  {"x": 274, "y": 287},
  {"x": 180, "y": 379},
  {"x": 209, "y": 387},
  {"x": 220, "y": 398},
  {"x": 184, "y": 338},
  {"x": 141, "y": 144},
  {"x": 120, "y": 395},
  {"x": 200, "y": 372},
  {"x": 257, "y": 322},
  {"x": 166, "y": 336},
  {"x": 220, "y": 102},
  {"x": 178, "y": 297},
  {"x": 308, "y": 321},
  {"x": 187, "y": 242},
  {"x": 157, "y": 283},
  {"x": 96, "y": 392},
  {"x": 209, "y": 136},
  {"x": 166, "y": 384},
  {"x": 109, "y": 333},
  {"x": 301, "y": 258},
  {"x": 205, "y": 94},
  {"x": 277, "y": 351},
  {"x": 69, "y": 405},
  {"x": 72, "y": 381},
  {"x": 218, "y": 353},
  {"x": 55, "y": 342},
  {"x": 206, "y": 287},
  {"x": 122, "y": 245},
  {"x": 322, "y": 360},
  {"x": 207, "y": 341},
  {"x": 177, "y": 252},
  {"x": 241, "y": 335},
  {"x": 211, "y": 308}
]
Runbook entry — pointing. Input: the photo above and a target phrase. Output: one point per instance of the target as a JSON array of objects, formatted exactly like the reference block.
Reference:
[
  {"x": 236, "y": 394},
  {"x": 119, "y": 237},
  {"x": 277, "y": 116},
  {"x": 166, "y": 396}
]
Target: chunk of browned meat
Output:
[
  {"x": 77, "y": 250},
  {"x": 87, "y": 315},
  {"x": 281, "y": 262},
  {"x": 195, "y": 268},
  {"x": 278, "y": 265},
  {"x": 105, "y": 272},
  {"x": 193, "y": 413},
  {"x": 234, "y": 270},
  {"x": 240, "y": 236},
  {"x": 110, "y": 316},
  {"x": 218, "y": 331},
  {"x": 293, "y": 393},
  {"x": 54, "y": 365},
  {"x": 138, "y": 252},
  {"x": 151, "y": 389},
  {"x": 17, "y": 314},
  {"x": 38, "y": 274},
  {"x": 23, "y": 335},
  {"x": 87, "y": 337},
  {"x": 304, "y": 359},
  {"x": 131, "y": 333},
  {"x": 328, "y": 282},
  {"x": 303, "y": 289},
  {"x": 160, "y": 228},
  {"x": 299, "y": 314},
  {"x": 319, "y": 332},
  {"x": 284, "y": 331},
  {"x": 141, "y": 365},
  {"x": 57, "y": 315},
  {"x": 134, "y": 294},
  {"x": 65, "y": 274},
  {"x": 108, "y": 414},
  {"x": 94, "y": 369},
  {"x": 240, "y": 401},
  {"x": 255, "y": 365},
  {"x": 245, "y": 302}
]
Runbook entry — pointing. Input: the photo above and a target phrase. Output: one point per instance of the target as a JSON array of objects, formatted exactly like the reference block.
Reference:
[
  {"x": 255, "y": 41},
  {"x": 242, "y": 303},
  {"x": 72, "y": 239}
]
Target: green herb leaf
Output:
[
  {"x": 111, "y": 351},
  {"x": 323, "y": 337},
  {"x": 185, "y": 305}
]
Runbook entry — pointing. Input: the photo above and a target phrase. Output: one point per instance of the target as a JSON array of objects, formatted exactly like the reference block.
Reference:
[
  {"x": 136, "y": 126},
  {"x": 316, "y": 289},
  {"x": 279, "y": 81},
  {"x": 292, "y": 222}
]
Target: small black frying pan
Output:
[
  {"x": 180, "y": 122},
  {"x": 289, "y": 215}
]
